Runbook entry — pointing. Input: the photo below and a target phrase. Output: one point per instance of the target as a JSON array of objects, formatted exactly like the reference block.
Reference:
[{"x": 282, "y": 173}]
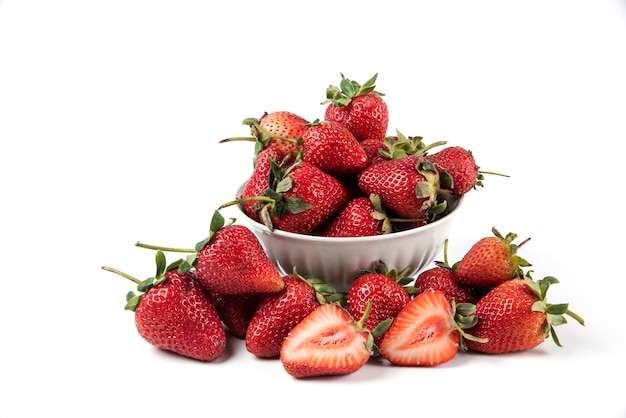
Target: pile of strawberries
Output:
[{"x": 343, "y": 177}]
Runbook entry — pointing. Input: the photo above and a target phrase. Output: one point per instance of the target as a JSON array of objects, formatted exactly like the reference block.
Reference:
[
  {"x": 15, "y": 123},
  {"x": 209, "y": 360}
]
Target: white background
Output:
[{"x": 110, "y": 117}]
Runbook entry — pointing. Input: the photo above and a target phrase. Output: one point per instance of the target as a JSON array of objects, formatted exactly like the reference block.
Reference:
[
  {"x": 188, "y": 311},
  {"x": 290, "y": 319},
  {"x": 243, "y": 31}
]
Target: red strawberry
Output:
[
  {"x": 459, "y": 163},
  {"x": 300, "y": 199},
  {"x": 331, "y": 147},
  {"x": 278, "y": 313},
  {"x": 408, "y": 186},
  {"x": 236, "y": 310},
  {"x": 280, "y": 129},
  {"x": 359, "y": 107},
  {"x": 259, "y": 179},
  {"x": 515, "y": 316},
  {"x": 232, "y": 261},
  {"x": 176, "y": 314},
  {"x": 394, "y": 147},
  {"x": 361, "y": 217},
  {"x": 442, "y": 277},
  {"x": 326, "y": 342},
  {"x": 386, "y": 293},
  {"x": 428, "y": 331},
  {"x": 491, "y": 261}
]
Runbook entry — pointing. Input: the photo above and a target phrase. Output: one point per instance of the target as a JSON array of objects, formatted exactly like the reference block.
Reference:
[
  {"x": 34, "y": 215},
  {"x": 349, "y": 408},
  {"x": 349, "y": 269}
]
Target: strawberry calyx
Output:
[
  {"x": 324, "y": 293},
  {"x": 400, "y": 146},
  {"x": 517, "y": 261},
  {"x": 217, "y": 222},
  {"x": 348, "y": 89},
  {"x": 273, "y": 201},
  {"x": 463, "y": 318},
  {"x": 555, "y": 313},
  {"x": 261, "y": 136},
  {"x": 432, "y": 188},
  {"x": 133, "y": 299},
  {"x": 398, "y": 276}
]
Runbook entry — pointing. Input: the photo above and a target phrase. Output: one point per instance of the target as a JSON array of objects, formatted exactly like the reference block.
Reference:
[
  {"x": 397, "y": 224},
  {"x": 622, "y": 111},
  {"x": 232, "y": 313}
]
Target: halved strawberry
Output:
[
  {"x": 326, "y": 342},
  {"x": 428, "y": 331}
]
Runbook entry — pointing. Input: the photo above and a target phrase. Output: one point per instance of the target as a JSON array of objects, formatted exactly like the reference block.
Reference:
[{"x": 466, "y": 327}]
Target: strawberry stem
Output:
[
  {"x": 168, "y": 249},
  {"x": 121, "y": 273}
]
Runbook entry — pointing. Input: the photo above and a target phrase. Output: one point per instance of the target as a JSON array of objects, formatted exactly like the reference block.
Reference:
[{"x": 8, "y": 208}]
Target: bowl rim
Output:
[{"x": 376, "y": 238}]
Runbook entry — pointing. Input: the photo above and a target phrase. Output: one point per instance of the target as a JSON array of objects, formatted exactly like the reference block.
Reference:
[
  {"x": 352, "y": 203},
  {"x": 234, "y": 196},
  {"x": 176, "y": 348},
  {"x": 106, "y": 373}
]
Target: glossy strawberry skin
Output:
[
  {"x": 387, "y": 296},
  {"x": 395, "y": 182},
  {"x": 486, "y": 264},
  {"x": 234, "y": 262},
  {"x": 177, "y": 315},
  {"x": 277, "y": 314},
  {"x": 460, "y": 164},
  {"x": 259, "y": 179},
  {"x": 355, "y": 220},
  {"x": 443, "y": 279},
  {"x": 326, "y": 195},
  {"x": 423, "y": 333},
  {"x": 285, "y": 124},
  {"x": 366, "y": 116},
  {"x": 506, "y": 318},
  {"x": 236, "y": 311},
  {"x": 372, "y": 146},
  {"x": 331, "y": 147},
  {"x": 325, "y": 343}
]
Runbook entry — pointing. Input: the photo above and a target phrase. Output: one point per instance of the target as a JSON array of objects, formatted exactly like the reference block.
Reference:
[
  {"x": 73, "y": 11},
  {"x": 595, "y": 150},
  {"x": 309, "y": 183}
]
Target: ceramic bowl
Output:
[{"x": 338, "y": 260}]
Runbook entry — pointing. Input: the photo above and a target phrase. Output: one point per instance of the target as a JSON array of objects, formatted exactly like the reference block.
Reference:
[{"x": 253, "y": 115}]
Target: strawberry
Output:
[
  {"x": 280, "y": 130},
  {"x": 361, "y": 217},
  {"x": 515, "y": 316},
  {"x": 331, "y": 147},
  {"x": 491, "y": 261},
  {"x": 326, "y": 342},
  {"x": 408, "y": 186},
  {"x": 442, "y": 278},
  {"x": 460, "y": 165},
  {"x": 279, "y": 312},
  {"x": 259, "y": 179},
  {"x": 300, "y": 199},
  {"x": 384, "y": 290},
  {"x": 394, "y": 147},
  {"x": 232, "y": 261},
  {"x": 236, "y": 310},
  {"x": 359, "y": 107},
  {"x": 428, "y": 331},
  {"x": 174, "y": 312}
]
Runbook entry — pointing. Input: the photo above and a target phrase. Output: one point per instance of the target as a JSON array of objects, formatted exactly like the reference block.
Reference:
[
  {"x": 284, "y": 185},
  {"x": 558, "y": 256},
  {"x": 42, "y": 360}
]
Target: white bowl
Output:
[{"x": 338, "y": 260}]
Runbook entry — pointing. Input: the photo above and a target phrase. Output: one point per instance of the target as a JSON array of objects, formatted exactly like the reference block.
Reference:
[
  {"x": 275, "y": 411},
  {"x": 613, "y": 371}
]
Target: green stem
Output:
[
  {"x": 577, "y": 317},
  {"x": 129, "y": 277},
  {"x": 241, "y": 200},
  {"x": 238, "y": 138},
  {"x": 168, "y": 249}
]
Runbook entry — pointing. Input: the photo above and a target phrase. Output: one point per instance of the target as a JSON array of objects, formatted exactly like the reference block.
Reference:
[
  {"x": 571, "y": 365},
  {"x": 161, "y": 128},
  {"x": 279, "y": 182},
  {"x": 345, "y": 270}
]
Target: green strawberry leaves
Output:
[{"x": 348, "y": 90}]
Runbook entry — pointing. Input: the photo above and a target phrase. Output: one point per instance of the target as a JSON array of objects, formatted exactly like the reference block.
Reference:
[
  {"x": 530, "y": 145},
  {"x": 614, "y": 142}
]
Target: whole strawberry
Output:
[
  {"x": 279, "y": 312},
  {"x": 442, "y": 278},
  {"x": 515, "y": 316},
  {"x": 361, "y": 217},
  {"x": 460, "y": 165},
  {"x": 174, "y": 313},
  {"x": 301, "y": 198},
  {"x": 359, "y": 107},
  {"x": 236, "y": 310},
  {"x": 258, "y": 181},
  {"x": 232, "y": 261},
  {"x": 491, "y": 261},
  {"x": 331, "y": 147},
  {"x": 386, "y": 292},
  {"x": 408, "y": 186},
  {"x": 280, "y": 130}
]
